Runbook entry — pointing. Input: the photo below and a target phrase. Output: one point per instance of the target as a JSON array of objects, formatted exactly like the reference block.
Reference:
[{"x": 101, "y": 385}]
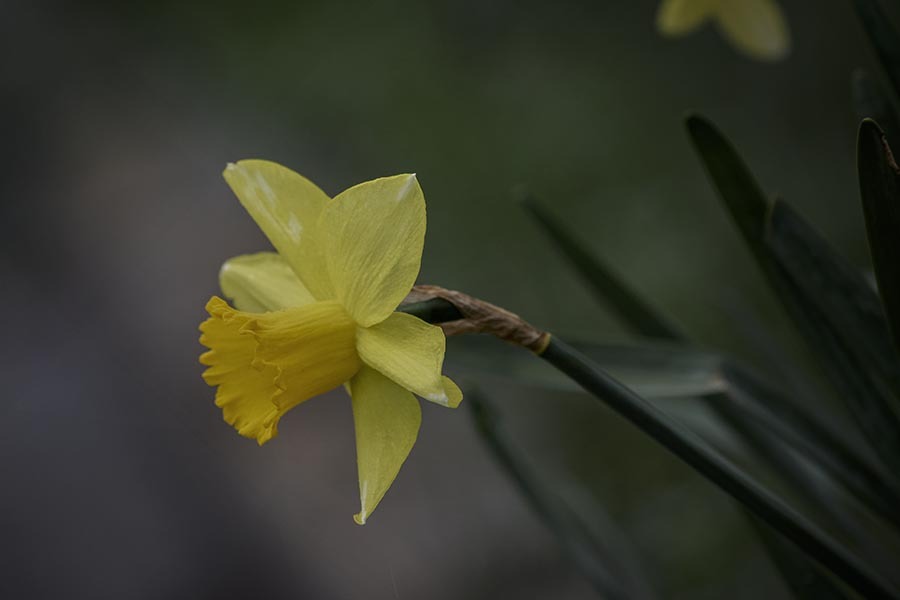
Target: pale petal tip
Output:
[
  {"x": 229, "y": 171},
  {"x": 412, "y": 182},
  {"x": 360, "y": 518},
  {"x": 454, "y": 394},
  {"x": 440, "y": 398}
]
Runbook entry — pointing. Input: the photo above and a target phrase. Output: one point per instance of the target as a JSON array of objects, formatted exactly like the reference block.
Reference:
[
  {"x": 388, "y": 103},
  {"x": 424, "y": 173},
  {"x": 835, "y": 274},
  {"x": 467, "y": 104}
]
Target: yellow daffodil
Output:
[
  {"x": 320, "y": 313},
  {"x": 755, "y": 27}
]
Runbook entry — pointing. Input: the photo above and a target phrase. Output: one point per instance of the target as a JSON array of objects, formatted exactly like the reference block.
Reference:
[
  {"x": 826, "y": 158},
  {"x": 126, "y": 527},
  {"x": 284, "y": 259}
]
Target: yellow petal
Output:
[
  {"x": 387, "y": 420},
  {"x": 287, "y": 207},
  {"x": 262, "y": 282},
  {"x": 373, "y": 235},
  {"x": 755, "y": 27},
  {"x": 678, "y": 17},
  {"x": 409, "y": 351},
  {"x": 265, "y": 364}
]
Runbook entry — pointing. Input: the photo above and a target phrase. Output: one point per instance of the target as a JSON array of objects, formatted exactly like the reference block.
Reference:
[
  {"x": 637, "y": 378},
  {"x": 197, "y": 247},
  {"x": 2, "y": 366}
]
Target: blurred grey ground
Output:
[{"x": 119, "y": 478}]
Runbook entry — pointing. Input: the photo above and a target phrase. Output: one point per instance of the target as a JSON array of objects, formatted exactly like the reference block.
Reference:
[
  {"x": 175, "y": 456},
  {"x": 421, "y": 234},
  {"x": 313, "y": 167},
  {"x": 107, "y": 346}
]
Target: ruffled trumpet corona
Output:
[{"x": 320, "y": 312}]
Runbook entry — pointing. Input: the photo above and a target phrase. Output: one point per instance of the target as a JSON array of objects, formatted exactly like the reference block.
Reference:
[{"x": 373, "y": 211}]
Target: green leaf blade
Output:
[
  {"x": 738, "y": 189},
  {"x": 606, "y": 285},
  {"x": 872, "y": 101},
  {"x": 884, "y": 37},
  {"x": 731, "y": 479},
  {"x": 681, "y": 380},
  {"x": 835, "y": 313},
  {"x": 844, "y": 322},
  {"x": 879, "y": 182}
]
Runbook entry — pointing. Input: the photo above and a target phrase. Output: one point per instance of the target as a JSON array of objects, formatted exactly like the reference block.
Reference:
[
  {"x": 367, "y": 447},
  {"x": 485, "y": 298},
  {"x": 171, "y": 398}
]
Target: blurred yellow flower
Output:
[
  {"x": 756, "y": 28},
  {"x": 320, "y": 313}
]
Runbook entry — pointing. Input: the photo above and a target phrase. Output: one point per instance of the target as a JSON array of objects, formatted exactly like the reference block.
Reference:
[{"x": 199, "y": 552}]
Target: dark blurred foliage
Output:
[{"x": 119, "y": 477}]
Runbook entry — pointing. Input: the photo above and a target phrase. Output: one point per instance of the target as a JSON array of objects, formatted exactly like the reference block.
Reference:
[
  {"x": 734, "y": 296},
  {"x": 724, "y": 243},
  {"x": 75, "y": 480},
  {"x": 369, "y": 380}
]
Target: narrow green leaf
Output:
[
  {"x": 602, "y": 281},
  {"x": 746, "y": 202},
  {"x": 804, "y": 534},
  {"x": 659, "y": 370},
  {"x": 646, "y": 367},
  {"x": 834, "y": 313},
  {"x": 679, "y": 371},
  {"x": 879, "y": 186},
  {"x": 803, "y": 576},
  {"x": 884, "y": 37},
  {"x": 652, "y": 369},
  {"x": 678, "y": 378},
  {"x": 872, "y": 101},
  {"x": 602, "y": 559},
  {"x": 824, "y": 278},
  {"x": 845, "y": 323},
  {"x": 764, "y": 408}
]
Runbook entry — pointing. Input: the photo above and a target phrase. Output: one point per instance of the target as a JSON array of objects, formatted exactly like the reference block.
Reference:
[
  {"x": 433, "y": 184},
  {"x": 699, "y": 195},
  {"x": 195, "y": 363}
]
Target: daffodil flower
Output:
[
  {"x": 321, "y": 313},
  {"x": 755, "y": 27}
]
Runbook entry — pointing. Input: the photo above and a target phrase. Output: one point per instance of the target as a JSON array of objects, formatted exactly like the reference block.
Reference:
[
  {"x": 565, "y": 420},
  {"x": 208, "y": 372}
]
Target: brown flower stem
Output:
[{"x": 460, "y": 313}]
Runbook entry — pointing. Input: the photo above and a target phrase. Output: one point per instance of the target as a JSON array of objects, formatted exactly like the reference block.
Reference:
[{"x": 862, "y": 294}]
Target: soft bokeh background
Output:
[{"x": 119, "y": 478}]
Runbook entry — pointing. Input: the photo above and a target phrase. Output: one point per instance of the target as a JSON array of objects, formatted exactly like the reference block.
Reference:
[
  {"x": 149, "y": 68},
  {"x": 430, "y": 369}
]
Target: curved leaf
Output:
[
  {"x": 827, "y": 299},
  {"x": 872, "y": 101},
  {"x": 879, "y": 185}
]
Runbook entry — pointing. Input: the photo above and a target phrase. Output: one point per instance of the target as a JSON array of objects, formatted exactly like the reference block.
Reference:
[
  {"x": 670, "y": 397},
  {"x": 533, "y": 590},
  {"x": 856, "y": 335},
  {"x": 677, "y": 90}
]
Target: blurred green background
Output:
[{"x": 120, "y": 478}]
